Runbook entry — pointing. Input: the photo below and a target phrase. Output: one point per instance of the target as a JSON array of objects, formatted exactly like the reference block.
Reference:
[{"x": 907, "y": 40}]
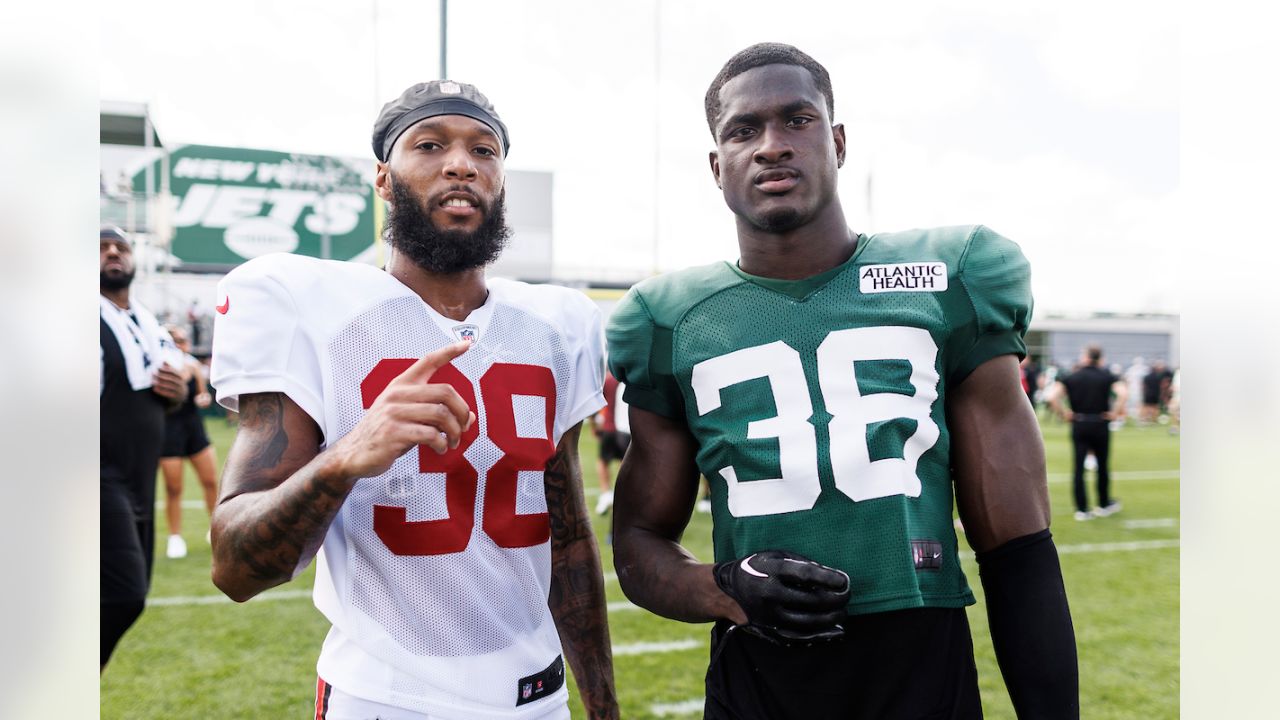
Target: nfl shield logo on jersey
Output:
[
  {"x": 466, "y": 332},
  {"x": 526, "y": 691}
]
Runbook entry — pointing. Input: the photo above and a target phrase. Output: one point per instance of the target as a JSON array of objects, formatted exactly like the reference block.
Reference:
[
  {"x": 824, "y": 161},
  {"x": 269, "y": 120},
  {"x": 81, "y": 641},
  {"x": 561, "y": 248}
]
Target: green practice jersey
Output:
[{"x": 818, "y": 404}]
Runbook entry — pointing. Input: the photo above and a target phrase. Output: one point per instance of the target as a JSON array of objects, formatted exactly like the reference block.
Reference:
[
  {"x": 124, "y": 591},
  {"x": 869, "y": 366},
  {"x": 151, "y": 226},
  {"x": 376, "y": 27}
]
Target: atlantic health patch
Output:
[{"x": 903, "y": 277}]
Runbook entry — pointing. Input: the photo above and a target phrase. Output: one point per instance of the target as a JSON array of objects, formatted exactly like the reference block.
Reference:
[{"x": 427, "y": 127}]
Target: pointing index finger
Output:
[{"x": 426, "y": 366}]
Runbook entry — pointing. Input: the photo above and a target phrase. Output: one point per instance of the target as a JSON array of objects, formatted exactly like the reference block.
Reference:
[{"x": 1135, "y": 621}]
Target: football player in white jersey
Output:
[{"x": 418, "y": 428}]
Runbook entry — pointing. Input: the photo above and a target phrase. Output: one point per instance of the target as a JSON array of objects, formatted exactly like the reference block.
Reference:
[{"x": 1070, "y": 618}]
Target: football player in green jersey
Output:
[{"x": 842, "y": 392}]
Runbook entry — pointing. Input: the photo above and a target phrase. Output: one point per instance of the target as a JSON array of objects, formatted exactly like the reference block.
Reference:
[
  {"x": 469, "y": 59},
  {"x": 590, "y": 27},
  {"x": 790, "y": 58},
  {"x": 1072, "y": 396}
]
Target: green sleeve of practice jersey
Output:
[
  {"x": 997, "y": 280},
  {"x": 640, "y": 357}
]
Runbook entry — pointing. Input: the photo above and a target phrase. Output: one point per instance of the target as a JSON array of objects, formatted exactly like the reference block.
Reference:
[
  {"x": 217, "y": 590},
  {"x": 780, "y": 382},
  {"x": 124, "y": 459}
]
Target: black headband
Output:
[{"x": 424, "y": 100}]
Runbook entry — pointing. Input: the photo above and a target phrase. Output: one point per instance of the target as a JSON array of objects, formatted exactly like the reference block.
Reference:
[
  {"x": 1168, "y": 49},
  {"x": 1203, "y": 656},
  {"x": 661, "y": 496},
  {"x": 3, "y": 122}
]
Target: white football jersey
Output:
[{"x": 435, "y": 575}]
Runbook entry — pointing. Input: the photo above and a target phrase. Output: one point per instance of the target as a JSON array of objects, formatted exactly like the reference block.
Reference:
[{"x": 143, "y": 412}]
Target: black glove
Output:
[{"x": 788, "y": 598}]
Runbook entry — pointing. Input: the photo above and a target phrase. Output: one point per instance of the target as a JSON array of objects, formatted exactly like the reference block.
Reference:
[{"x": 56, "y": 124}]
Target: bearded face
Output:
[
  {"x": 411, "y": 231},
  {"x": 115, "y": 264}
]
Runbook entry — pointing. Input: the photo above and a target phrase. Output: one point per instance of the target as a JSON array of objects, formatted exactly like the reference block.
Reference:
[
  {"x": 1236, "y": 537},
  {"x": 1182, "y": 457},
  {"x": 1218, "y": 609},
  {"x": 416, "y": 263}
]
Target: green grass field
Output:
[{"x": 195, "y": 655}]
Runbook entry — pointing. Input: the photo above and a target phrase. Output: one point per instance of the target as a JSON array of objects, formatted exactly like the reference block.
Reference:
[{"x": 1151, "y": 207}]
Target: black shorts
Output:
[
  {"x": 613, "y": 445},
  {"x": 184, "y": 435},
  {"x": 127, "y": 547},
  {"x": 914, "y": 663}
]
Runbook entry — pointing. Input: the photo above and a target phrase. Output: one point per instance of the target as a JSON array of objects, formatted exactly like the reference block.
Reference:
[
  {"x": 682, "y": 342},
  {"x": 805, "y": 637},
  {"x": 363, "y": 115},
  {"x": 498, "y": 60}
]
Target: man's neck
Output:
[
  {"x": 802, "y": 252},
  {"x": 119, "y": 298},
  {"x": 453, "y": 295}
]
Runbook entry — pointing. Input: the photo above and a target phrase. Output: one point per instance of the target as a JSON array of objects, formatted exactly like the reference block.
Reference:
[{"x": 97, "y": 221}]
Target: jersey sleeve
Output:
[
  {"x": 640, "y": 358},
  {"x": 997, "y": 279},
  {"x": 259, "y": 344},
  {"x": 585, "y": 336}
]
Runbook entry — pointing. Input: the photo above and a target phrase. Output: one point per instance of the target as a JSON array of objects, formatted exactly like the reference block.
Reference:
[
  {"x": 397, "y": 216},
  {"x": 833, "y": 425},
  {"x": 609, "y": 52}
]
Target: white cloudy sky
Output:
[{"x": 1055, "y": 124}]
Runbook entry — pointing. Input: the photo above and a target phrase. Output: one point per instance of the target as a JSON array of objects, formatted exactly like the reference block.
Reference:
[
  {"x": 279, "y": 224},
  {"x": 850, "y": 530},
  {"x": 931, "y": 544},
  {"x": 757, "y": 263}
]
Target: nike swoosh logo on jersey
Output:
[
  {"x": 224, "y": 307},
  {"x": 746, "y": 566}
]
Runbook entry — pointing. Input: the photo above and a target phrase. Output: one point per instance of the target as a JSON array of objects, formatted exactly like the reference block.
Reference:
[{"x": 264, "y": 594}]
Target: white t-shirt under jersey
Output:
[{"x": 435, "y": 575}]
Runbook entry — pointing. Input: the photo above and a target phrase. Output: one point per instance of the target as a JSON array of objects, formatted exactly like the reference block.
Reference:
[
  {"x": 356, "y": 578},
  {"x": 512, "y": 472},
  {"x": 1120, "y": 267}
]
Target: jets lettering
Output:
[
  {"x": 217, "y": 205},
  {"x": 220, "y": 206}
]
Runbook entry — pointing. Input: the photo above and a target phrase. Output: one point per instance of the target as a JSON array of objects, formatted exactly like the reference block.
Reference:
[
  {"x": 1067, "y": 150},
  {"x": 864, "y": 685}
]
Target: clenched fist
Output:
[{"x": 787, "y": 597}]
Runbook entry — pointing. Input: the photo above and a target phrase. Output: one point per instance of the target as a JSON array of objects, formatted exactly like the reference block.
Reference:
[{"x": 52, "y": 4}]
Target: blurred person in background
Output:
[
  {"x": 1155, "y": 391},
  {"x": 1096, "y": 397},
  {"x": 1117, "y": 423},
  {"x": 141, "y": 378},
  {"x": 185, "y": 439},
  {"x": 612, "y": 431},
  {"x": 195, "y": 319},
  {"x": 1030, "y": 373},
  {"x": 1133, "y": 378}
]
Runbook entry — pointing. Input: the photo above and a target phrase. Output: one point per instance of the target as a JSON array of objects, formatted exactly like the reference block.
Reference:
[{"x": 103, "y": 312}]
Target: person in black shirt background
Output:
[
  {"x": 1155, "y": 391},
  {"x": 185, "y": 440},
  {"x": 140, "y": 380},
  {"x": 1096, "y": 397}
]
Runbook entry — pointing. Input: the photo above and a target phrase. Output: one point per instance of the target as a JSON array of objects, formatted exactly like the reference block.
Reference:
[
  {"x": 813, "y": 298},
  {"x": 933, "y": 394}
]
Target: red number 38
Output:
[{"x": 498, "y": 386}]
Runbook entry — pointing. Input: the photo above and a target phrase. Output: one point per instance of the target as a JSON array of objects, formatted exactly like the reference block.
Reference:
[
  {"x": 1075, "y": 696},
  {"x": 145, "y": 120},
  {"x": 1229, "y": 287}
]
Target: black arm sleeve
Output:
[{"x": 1031, "y": 627}]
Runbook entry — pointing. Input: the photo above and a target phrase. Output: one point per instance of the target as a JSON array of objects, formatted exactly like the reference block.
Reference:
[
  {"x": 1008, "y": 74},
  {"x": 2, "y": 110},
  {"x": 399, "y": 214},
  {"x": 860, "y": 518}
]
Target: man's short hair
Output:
[
  {"x": 1094, "y": 353},
  {"x": 766, "y": 54}
]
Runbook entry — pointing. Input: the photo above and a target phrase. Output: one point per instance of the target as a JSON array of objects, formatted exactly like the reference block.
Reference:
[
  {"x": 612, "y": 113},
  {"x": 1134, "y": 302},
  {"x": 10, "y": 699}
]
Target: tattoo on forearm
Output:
[
  {"x": 566, "y": 524},
  {"x": 273, "y": 544},
  {"x": 264, "y": 414},
  {"x": 577, "y": 586},
  {"x": 286, "y": 520}
]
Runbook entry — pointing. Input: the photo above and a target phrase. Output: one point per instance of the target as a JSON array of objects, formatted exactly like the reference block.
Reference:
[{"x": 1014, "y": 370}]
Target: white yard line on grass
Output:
[
  {"x": 625, "y": 606},
  {"x": 688, "y": 707},
  {"x": 645, "y": 648},
  {"x": 1129, "y": 546},
  {"x": 593, "y": 493},
  {"x": 1133, "y": 546},
  {"x": 185, "y": 600},
  {"x": 1125, "y": 475},
  {"x": 219, "y": 599},
  {"x": 1150, "y": 523}
]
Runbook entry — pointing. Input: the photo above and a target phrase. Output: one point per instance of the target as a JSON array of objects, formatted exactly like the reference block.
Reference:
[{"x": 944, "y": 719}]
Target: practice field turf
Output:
[{"x": 194, "y": 654}]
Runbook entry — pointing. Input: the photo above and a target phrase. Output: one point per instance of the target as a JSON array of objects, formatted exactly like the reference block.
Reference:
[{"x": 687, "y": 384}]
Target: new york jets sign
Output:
[{"x": 232, "y": 204}]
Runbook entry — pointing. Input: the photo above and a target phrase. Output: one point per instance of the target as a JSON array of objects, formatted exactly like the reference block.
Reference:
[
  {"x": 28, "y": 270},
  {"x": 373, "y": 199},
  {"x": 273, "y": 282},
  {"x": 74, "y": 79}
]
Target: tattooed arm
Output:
[
  {"x": 280, "y": 493},
  {"x": 276, "y": 501},
  {"x": 577, "y": 584}
]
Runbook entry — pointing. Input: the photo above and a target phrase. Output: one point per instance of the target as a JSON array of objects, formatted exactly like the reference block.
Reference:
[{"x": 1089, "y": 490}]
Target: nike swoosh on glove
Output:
[{"x": 787, "y": 597}]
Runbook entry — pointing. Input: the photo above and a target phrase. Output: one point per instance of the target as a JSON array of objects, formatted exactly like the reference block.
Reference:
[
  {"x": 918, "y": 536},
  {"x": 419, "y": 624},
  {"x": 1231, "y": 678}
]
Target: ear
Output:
[
  {"x": 837, "y": 134},
  {"x": 382, "y": 182},
  {"x": 714, "y": 158}
]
